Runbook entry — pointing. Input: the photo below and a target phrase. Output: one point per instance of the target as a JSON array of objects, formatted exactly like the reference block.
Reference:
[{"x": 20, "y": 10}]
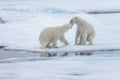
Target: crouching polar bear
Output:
[
  {"x": 85, "y": 31},
  {"x": 51, "y": 35}
]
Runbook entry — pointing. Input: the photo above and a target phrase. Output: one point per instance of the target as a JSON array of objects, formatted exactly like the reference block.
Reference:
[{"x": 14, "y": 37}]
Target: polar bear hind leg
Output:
[
  {"x": 44, "y": 43},
  {"x": 90, "y": 39}
]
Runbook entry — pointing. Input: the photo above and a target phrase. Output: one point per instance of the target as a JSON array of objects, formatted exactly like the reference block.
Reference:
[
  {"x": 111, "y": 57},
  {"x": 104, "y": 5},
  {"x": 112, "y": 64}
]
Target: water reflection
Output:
[
  {"x": 48, "y": 54},
  {"x": 10, "y": 56},
  {"x": 11, "y": 53},
  {"x": 63, "y": 54},
  {"x": 83, "y": 53}
]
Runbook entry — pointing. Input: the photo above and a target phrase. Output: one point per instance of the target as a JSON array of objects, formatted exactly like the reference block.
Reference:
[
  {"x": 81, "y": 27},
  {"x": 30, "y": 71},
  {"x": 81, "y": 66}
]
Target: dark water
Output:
[
  {"x": 10, "y": 54},
  {"x": 5, "y": 54}
]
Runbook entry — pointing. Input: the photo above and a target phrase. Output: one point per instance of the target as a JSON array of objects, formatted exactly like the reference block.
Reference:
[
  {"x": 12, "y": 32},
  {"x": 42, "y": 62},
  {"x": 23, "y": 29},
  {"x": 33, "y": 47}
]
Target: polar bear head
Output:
[
  {"x": 67, "y": 26},
  {"x": 77, "y": 20},
  {"x": 74, "y": 20}
]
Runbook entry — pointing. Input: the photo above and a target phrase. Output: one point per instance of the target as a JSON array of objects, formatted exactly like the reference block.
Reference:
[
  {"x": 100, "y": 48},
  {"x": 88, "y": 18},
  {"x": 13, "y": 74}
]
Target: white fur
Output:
[
  {"x": 53, "y": 34},
  {"x": 85, "y": 31}
]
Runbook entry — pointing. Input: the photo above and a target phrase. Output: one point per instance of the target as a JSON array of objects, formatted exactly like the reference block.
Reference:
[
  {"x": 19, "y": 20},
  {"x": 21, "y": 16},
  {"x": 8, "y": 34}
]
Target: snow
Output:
[
  {"x": 24, "y": 31},
  {"x": 26, "y": 18},
  {"x": 85, "y": 68}
]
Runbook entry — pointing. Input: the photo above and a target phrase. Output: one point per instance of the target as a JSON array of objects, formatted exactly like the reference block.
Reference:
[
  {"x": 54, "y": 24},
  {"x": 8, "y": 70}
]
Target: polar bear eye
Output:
[{"x": 75, "y": 17}]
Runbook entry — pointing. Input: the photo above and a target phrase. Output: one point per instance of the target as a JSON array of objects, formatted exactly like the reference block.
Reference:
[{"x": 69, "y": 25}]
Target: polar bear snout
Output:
[{"x": 71, "y": 22}]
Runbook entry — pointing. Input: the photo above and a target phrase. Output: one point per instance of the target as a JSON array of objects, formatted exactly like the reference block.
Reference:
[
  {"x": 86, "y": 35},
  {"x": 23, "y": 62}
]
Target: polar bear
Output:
[
  {"x": 84, "y": 32},
  {"x": 51, "y": 35}
]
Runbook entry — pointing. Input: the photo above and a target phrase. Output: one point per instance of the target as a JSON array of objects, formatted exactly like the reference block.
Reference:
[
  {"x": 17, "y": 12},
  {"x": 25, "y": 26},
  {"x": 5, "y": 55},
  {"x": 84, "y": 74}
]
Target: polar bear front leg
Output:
[
  {"x": 80, "y": 39},
  {"x": 54, "y": 43},
  {"x": 84, "y": 39},
  {"x": 62, "y": 39},
  {"x": 77, "y": 36}
]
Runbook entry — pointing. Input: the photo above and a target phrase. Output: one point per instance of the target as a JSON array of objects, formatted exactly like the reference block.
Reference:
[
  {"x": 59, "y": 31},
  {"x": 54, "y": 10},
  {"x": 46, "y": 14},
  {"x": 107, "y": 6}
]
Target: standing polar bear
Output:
[
  {"x": 85, "y": 31},
  {"x": 51, "y": 35}
]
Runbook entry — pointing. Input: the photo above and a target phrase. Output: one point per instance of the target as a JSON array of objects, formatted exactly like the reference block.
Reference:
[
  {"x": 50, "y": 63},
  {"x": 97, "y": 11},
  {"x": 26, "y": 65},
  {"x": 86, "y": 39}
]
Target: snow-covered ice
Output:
[
  {"x": 26, "y": 19},
  {"x": 66, "y": 68}
]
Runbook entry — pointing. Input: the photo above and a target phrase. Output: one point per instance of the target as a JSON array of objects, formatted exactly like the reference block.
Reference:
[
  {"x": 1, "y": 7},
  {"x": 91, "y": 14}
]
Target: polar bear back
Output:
[
  {"x": 89, "y": 28},
  {"x": 51, "y": 32},
  {"x": 84, "y": 26},
  {"x": 55, "y": 32}
]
